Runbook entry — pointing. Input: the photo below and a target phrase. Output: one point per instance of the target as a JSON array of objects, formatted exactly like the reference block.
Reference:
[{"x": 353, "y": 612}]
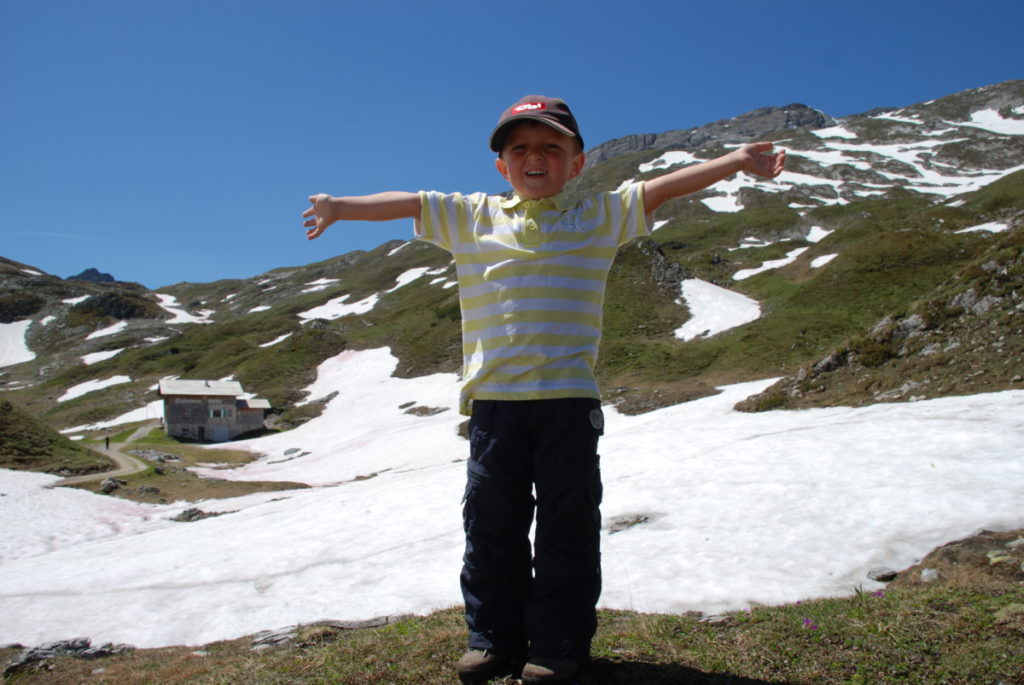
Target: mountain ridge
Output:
[{"x": 744, "y": 128}]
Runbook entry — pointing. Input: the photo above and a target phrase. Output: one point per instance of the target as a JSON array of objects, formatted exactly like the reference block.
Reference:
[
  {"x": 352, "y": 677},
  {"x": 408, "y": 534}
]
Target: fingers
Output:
[
  {"x": 316, "y": 229},
  {"x": 765, "y": 161},
  {"x": 780, "y": 162},
  {"x": 313, "y": 221}
]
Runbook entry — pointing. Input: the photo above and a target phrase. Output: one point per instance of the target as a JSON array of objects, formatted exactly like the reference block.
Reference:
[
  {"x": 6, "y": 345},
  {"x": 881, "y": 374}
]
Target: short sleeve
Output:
[
  {"x": 634, "y": 220},
  {"x": 430, "y": 226}
]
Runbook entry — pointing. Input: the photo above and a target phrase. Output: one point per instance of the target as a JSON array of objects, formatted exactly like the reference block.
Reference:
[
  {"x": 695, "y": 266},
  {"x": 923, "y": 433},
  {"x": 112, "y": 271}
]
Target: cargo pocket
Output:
[
  {"x": 475, "y": 473},
  {"x": 597, "y": 420}
]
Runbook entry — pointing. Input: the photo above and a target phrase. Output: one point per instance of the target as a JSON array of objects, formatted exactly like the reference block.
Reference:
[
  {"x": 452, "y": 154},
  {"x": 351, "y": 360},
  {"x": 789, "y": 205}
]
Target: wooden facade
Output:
[{"x": 210, "y": 411}]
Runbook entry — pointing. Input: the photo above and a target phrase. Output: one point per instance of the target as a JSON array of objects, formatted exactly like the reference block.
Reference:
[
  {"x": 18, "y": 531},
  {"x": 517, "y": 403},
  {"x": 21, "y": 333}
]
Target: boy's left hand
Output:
[{"x": 760, "y": 160}]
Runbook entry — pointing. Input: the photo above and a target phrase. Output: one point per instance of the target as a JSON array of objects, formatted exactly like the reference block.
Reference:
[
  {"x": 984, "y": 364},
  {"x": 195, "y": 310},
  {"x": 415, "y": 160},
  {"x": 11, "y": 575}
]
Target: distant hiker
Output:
[
  {"x": 106, "y": 442},
  {"x": 531, "y": 271}
]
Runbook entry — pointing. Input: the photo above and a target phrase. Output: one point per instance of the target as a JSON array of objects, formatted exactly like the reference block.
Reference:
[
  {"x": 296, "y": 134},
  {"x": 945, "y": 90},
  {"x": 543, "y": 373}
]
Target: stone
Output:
[
  {"x": 626, "y": 521},
  {"x": 194, "y": 514},
  {"x": 79, "y": 647},
  {"x": 882, "y": 574},
  {"x": 110, "y": 484},
  {"x": 285, "y": 636}
]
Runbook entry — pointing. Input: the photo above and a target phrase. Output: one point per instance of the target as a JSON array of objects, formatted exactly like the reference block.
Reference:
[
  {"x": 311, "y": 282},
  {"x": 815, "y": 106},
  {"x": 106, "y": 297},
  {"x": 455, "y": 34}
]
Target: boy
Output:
[{"x": 531, "y": 272}]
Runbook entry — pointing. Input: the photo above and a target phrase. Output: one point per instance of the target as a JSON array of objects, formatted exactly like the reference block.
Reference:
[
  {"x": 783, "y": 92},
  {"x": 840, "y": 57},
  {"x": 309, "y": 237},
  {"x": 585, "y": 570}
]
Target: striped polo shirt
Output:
[{"x": 531, "y": 279}]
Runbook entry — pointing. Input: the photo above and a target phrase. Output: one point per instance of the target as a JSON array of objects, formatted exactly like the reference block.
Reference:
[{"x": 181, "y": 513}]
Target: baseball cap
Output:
[{"x": 551, "y": 111}]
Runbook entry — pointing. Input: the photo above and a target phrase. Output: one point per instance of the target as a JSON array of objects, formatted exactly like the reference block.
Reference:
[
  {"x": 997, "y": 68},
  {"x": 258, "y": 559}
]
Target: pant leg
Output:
[
  {"x": 497, "y": 515},
  {"x": 561, "y": 614}
]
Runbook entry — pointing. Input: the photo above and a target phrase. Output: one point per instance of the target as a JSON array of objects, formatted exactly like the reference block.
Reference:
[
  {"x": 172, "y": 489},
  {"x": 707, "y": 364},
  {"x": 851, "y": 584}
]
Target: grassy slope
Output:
[
  {"x": 30, "y": 445},
  {"x": 939, "y": 344}
]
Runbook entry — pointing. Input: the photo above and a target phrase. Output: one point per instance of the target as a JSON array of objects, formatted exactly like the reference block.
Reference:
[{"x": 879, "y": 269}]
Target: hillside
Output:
[
  {"x": 879, "y": 278},
  {"x": 28, "y": 444},
  {"x": 872, "y": 215},
  {"x": 965, "y": 336}
]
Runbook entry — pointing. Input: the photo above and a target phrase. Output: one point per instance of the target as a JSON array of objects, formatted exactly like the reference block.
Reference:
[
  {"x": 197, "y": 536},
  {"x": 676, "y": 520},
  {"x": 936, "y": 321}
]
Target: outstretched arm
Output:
[
  {"x": 325, "y": 210},
  {"x": 754, "y": 158}
]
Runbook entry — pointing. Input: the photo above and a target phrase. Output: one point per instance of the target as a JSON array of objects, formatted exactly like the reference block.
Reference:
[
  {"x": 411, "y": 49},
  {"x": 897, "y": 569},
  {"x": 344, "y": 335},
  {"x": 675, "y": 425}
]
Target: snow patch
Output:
[
  {"x": 990, "y": 227},
  {"x": 153, "y": 410},
  {"x": 92, "y": 386},
  {"x": 170, "y": 304},
  {"x": 769, "y": 265},
  {"x": 109, "y": 330},
  {"x": 408, "y": 277},
  {"x": 714, "y": 309},
  {"x": 96, "y": 357},
  {"x": 817, "y": 234},
  {"x": 14, "y": 348},
  {"x": 669, "y": 159},
  {"x": 991, "y": 120},
  {"x": 400, "y": 247},
  {"x": 835, "y": 132},
  {"x": 821, "y": 261},
  {"x": 337, "y": 308},
  {"x": 320, "y": 284},
  {"x": 280, "y": 338}
]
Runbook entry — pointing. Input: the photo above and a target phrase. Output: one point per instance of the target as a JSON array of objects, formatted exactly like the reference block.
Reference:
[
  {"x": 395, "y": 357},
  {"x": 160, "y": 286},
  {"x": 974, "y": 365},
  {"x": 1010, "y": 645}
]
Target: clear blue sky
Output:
[{"x": 167, "y": 141}]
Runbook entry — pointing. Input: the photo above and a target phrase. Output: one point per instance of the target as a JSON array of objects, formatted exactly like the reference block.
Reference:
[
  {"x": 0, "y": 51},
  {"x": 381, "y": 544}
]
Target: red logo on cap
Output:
[{"x": 529, "y": 107}]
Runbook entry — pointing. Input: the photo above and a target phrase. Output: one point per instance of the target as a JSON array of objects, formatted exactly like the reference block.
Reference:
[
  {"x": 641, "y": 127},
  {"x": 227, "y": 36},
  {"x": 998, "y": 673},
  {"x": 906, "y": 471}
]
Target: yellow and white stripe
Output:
[{"x": 531, "y": 278}]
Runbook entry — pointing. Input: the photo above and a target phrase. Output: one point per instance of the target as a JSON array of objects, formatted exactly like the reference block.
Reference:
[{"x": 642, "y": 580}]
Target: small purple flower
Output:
[
  {"x": 809, "y": 624},
  {"x": 878, "y": 593}
]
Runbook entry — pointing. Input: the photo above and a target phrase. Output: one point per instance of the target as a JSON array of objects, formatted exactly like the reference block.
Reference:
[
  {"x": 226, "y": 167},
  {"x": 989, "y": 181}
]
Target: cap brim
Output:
[{"x": 498, "y": 134}]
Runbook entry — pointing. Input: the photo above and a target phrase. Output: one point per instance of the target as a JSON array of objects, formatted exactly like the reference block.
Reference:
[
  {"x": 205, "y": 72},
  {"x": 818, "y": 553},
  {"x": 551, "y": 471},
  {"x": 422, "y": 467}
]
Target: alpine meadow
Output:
[{"x": 813, "y": 460}]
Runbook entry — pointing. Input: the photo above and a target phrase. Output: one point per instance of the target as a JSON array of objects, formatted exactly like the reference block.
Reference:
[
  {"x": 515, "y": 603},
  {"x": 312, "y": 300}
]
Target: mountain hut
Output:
[{"x": 210, "y": 411}]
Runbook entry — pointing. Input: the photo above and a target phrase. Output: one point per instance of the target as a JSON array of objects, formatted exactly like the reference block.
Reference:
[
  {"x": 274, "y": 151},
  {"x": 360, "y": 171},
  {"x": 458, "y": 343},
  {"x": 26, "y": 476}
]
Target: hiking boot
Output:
[
  {"x": 549, "y": 670},
  {"x": 480, "y": 665}
]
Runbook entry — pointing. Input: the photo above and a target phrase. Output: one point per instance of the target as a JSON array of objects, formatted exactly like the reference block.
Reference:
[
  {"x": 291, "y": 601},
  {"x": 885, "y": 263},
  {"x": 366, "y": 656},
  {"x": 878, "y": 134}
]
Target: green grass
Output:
[
  {"x": 917, "y": 634},
  {"x": 173, "y": 481},
  {"x": 805, "y": 312},
  {"x": 26, "y": 443}
]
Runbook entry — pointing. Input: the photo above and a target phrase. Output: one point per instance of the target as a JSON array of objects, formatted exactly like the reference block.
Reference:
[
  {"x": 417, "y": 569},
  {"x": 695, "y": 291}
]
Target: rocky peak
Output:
[
  {"x": 742, "y": 129},
  {"x": 92, "y": 275}
]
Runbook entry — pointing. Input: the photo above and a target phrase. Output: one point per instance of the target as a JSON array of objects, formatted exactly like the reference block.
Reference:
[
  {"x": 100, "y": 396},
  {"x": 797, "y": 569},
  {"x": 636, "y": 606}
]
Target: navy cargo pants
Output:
[{"x": 540, "y": 603}]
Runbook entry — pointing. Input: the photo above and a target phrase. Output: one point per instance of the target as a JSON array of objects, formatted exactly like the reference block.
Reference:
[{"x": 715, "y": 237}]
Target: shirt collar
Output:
[{"x": 562, "y": 201}]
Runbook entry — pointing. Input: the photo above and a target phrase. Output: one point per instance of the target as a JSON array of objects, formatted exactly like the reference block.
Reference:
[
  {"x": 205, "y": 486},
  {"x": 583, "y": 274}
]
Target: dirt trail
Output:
[{"x": 126, "y": 463}]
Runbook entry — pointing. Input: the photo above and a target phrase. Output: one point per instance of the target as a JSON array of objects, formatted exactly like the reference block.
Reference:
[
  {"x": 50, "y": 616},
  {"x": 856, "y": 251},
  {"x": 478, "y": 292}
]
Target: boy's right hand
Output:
[{"x": 319, "y": 216}]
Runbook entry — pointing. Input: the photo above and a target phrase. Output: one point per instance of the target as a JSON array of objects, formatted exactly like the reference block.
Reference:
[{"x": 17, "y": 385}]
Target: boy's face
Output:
[{"x": 538, "y": 160}]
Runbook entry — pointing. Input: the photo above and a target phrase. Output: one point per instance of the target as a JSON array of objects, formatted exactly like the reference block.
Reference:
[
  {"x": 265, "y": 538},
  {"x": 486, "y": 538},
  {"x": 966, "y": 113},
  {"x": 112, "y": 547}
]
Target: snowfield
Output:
[{"x": 740, "y": 509}]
